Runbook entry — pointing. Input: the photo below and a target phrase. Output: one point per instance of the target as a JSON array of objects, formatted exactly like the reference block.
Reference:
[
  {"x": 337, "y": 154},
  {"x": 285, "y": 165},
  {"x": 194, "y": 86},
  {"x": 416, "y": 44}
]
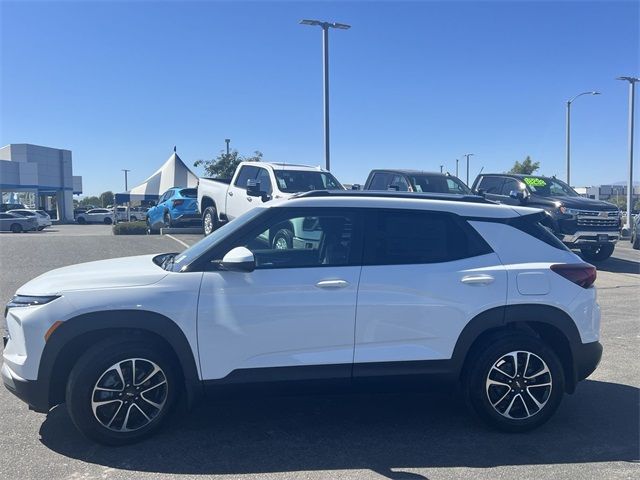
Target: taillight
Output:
[
  {"x": 582, "y": 274},
  {"x": 177, "y": 202}
]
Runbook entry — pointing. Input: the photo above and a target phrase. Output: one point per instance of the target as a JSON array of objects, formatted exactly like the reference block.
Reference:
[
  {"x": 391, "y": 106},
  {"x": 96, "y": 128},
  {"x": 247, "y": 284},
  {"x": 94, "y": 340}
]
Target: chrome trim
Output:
[{"x": 613, "y": 237}]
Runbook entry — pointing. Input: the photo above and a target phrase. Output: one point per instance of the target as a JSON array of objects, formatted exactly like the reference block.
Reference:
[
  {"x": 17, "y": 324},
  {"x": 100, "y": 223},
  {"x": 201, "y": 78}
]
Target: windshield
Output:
[
  {"x": 193, "y": 252},
  {"x": 294, "y": 181},
  {"x": 549, "y": 187},
  {"x": 437, "y": 184}
]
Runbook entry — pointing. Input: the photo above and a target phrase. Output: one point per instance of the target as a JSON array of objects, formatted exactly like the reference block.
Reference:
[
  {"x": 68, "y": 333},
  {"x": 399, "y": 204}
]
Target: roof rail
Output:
[{"x": 449, "y": 197}]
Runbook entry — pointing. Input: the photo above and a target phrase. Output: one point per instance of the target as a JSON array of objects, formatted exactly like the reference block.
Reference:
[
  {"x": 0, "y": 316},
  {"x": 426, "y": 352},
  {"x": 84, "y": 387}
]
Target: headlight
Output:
[
  {"x": 30, "y": 301},
  {"x": 568, "y": 211}
]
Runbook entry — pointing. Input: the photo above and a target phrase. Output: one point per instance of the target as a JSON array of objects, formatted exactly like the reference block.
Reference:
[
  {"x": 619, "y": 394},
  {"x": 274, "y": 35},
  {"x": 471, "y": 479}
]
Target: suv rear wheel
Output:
[
  {"x": 120, "y": 391},
  {"x": 515, "y": 383}
]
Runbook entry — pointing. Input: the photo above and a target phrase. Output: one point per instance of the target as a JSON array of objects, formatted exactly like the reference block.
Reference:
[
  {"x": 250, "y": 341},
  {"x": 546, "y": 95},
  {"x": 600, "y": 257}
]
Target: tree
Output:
[
  {"x": 90, "y": 201},
  {"x": 527, "y": 167},
  {"x": 106, "y": 198},
  {"x": 224, "y": 165}
]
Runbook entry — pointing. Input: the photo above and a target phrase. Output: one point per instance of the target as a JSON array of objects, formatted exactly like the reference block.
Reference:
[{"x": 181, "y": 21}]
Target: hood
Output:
[
  {"x": 580, "y": 203},
  {"x": 116, "y": 272}
]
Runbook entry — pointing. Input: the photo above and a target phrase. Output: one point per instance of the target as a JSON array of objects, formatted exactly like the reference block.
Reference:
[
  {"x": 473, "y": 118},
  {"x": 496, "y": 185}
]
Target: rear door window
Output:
[{"x": 400, "y": 237}]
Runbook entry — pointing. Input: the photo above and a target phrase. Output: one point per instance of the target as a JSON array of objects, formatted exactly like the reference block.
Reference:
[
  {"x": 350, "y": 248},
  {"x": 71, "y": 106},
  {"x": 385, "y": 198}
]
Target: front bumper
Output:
[
  {"x": 29, "y": 391},
  {"x": 591, "y": 238}
]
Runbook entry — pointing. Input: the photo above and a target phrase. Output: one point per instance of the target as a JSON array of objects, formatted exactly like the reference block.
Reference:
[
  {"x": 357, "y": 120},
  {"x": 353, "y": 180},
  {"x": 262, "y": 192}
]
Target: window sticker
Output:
[{"x": 535, "y": 182}]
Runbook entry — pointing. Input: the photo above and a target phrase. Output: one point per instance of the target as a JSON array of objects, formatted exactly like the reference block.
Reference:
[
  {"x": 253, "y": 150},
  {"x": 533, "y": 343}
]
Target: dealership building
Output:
[{"x": 39, "y": 177}]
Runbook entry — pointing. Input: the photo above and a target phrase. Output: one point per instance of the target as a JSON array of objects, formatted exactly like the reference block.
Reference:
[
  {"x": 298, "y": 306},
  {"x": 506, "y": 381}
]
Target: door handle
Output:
[
  {"x": 477, "y": 279},
  {"x": 332, "y": 284},
  {"x": 230, "y": 194}
]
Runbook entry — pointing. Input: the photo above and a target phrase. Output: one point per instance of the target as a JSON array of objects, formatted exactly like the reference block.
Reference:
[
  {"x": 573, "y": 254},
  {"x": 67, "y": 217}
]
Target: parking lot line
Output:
[{"x": 185, "y": 245}]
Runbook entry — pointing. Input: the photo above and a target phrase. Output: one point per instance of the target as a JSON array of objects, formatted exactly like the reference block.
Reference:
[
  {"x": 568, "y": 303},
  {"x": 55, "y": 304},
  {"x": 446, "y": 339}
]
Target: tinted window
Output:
[
  {"x": 380, "y": 181},
  {"x": 264, "y": 180},
  {"x": 437, "y": 184},
  {"x": 399, "y": 183},
  {"x": 5, "y": 215},
  {"x": 302, "y": 239},
  {"x": 247, "y": 172},
  {"x": 292, "y": 181},
  {"x": 414, "y": 237},
  {"x": 491, "y": 185},
  {"x": 189, "y": 192},
  {"x": 509, "y": 185}
]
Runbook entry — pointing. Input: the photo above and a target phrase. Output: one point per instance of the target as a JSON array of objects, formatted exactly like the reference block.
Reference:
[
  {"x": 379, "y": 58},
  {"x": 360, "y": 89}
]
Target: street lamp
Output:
[
  {"x": 468, "y": 155},
  {"x": 325, "y": 53},
  {"x": 632, "y": 86},
  {"x": 569, "y": 102},
  {"x": 441, "y": 167},
  {"x": 227, "y": 141},
  {"x": 457, "y": 167}
]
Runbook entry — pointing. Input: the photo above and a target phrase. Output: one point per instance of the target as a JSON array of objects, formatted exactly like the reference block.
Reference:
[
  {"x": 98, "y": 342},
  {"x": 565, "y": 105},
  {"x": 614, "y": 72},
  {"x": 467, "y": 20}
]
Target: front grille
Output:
[{"x": 597, "y": 222}]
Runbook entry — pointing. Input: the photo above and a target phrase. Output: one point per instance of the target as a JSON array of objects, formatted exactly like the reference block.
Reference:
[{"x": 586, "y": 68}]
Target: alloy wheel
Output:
[
  {"x": 129, "y": 395},
  {"x": 208, "y": 224},
  {"x": 518, "y": 385},
  {"x": 281, "y": 243}
]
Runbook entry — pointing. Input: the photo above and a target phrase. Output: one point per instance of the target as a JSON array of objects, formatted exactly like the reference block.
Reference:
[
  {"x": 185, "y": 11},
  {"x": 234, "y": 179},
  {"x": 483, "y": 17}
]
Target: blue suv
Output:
[{"x": 176, "y": 207}]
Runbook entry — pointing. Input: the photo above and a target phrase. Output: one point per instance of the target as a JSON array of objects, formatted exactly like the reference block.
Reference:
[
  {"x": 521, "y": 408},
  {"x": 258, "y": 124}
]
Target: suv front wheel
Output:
[
  {"x": 515, "y": 383},
  {"x": 120, "y": 391}
]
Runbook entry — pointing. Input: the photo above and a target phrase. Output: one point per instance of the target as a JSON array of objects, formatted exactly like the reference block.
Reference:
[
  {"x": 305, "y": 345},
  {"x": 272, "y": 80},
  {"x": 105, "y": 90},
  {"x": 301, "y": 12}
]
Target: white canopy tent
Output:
[{"x": 174, "y": 173}]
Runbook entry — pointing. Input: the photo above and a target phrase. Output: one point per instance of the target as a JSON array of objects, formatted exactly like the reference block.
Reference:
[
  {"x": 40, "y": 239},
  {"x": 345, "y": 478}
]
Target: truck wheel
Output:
[
  {"x": 120, "y": 391},
  {"x": 598, "y": 254},
  {"x": 515, "y": 383},
  {"x": 210, "y": 220},
  {"x": 282, "y": 240}
]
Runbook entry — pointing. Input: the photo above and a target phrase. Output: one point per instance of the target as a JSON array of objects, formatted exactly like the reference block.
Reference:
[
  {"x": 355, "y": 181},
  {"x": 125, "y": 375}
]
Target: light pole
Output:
[
  {"x": 569, "y": 102},
  {"x": 441, "y": 167},
  {"x": 468, "y": 155},
  {"x": 126, "y": 186},
  {"x": 632, "y": 90},
  {"x": 457, "y": 160},
  {"x": 227, "y": 141},
  {"x": 325, "y": 54}
]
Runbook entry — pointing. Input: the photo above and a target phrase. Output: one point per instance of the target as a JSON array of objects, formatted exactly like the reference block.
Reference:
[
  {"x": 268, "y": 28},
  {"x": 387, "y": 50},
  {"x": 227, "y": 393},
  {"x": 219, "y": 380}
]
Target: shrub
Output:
[{"x": 130, "y": 228}]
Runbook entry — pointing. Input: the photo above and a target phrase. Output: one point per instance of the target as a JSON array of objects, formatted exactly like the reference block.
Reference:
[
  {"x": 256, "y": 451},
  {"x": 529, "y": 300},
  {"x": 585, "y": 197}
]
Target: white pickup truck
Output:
[{"x": 254, "y": 183}]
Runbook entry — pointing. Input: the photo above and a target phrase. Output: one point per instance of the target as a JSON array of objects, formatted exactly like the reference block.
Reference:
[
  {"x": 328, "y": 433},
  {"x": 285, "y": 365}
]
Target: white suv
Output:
[{"x": 403, "y": 286}]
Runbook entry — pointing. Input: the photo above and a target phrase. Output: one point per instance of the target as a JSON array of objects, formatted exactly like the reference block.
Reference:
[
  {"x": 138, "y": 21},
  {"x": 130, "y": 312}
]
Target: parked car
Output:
[
  {"x": 42, "y": 218},
  {"x": 253, "y": 184},
  {"x": 415, "y": 181},
  {"x": 398, "y": 286},
  {"x": 635, "y": 232},
  {"x": 96, "y": 215},
  {"x": 592, "y": 226},
  {"x": 176, "y": 207},
  {"x": 5, "y": 207},
  {"x": 133, "y": 215},
  {"x": 12, "y": 222}
]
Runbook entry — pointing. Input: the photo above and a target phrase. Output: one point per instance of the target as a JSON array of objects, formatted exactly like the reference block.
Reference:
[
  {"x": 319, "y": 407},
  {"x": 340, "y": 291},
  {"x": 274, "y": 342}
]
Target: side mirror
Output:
[
  {"x": 253, "y": 188},
  {"x": 240, "y": 259},
  {"x": 519, "y": 195}
]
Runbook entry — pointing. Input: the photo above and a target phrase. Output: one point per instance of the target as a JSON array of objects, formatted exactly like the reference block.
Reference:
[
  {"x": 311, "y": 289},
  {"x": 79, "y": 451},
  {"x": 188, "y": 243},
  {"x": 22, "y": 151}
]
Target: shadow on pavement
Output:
[
  {"x": 618, "y": 265},
  {"x": 383, "y": 433}
]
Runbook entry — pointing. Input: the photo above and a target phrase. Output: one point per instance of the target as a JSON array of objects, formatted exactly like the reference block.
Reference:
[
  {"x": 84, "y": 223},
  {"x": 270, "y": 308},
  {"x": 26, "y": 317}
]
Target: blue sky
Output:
[{"x": 413, "y": 84}]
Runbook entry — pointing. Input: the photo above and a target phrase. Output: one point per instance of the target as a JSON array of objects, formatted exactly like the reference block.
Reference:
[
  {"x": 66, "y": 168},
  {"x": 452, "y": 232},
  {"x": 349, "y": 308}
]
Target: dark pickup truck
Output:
[
  {"x": 592, "y": 226},
  {"x": 415, "y": 181}
]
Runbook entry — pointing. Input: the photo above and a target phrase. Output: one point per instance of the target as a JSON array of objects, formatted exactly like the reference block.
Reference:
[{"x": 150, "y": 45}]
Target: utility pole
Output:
[
  {"x": 325, "y": 74},
  {"x": 632, "y": 88},
  {"x": 227, "y": 141},
  {"x": 457, "y": 160},
  {"x": 468, "y": 155},
  {"x": 441, "y": 166},
  {"x": 126, "y": 186}
]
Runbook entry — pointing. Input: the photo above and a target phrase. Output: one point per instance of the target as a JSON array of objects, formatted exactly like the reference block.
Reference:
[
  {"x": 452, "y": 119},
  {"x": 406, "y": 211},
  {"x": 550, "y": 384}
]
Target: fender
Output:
[{"x": 97, "y": 322}]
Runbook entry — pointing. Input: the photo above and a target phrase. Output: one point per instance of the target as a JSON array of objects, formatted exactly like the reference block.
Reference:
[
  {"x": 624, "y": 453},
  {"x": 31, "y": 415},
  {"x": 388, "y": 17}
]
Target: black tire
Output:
[
  {"x": 81, "y": 220},
  {"x": 210, "y": 222},
  {"x": 597, "y": 254},
  {"x": 16, "y": 228},
  {"x": 94, "y": 366},
  {"x": 168, "y": 223},
  {"x": 107, "y": 221},
  {"x": 481, "y": 396},
  {"x": 133, "y": 218},
  {"x": 150, "y": 229},
  {"x": 282, "y": 240}
]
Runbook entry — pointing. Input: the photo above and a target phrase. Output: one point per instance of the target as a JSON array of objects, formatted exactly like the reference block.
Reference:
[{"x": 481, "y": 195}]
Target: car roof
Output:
[
  {"x": 405, "y": 171},
  {"x": 464, "y": 205},
  {"x": 286, "y": 166},
  {"x": 513, "y": 175}
]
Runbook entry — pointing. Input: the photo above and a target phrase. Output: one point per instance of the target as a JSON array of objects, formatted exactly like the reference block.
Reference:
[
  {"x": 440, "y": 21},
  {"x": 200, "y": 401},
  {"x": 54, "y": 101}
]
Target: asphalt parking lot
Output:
[{"x": 594, "y": 435}]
